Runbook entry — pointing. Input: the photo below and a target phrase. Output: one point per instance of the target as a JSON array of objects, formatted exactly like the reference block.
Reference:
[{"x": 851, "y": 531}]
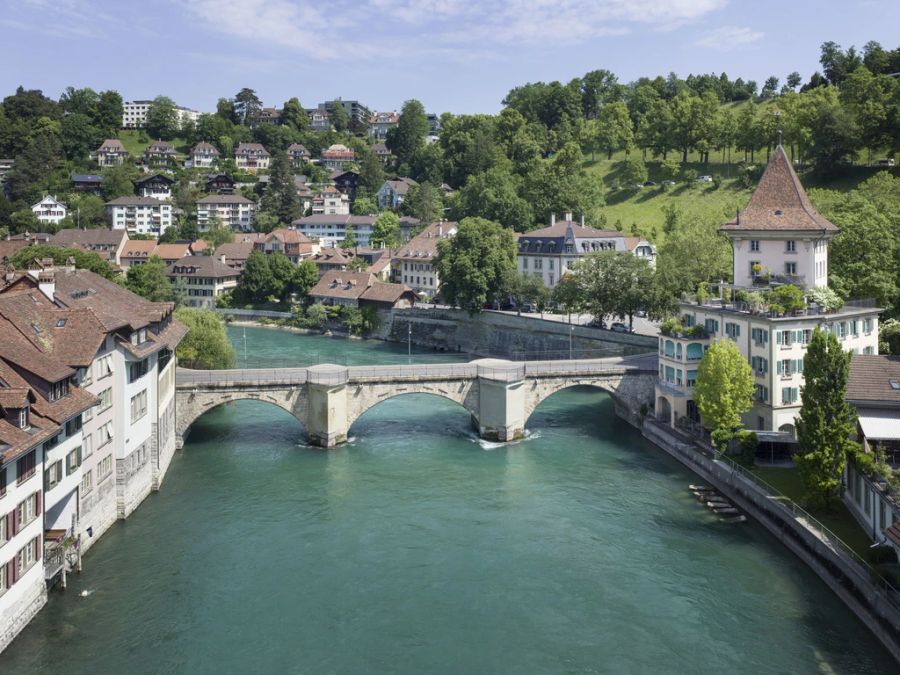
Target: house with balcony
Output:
[
  {"x": 337, "y": 156},
  {"x": 160, "y": 154},
  {"x": 140, "y": 215},
  {"x": 331, "y": 201},
  {"x": 232, "y": 211},
  {"x": 110, "y": 153},
  {"x": 289, "y": 242},
  {"x": 298, "y": 155},
  {"x": 157, "y": 186},
  {"x": 220, "y": 184},
  {"x": 205, "y": 278},
  {"x": 265, "y": 116},
  {"x": 319, "y": 119},
  {"x": 203, "y": 156},
  {"x": 781, "y": 230},
  {"x": 392, "y": 193},
  {"x": 382, "y": 152},
  {"x": 251, "y": 157},
  {"x": 413, "y": 263},
  {"x": 548, "y": 253},
  {"x": 87, "y": 182},
  {"x": 49, "y": 211},
  {"x": 382, "y": 122}
]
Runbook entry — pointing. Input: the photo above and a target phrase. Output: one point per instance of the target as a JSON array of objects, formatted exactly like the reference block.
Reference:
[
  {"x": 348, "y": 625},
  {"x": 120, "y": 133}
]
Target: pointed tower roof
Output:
[{"x": 779, "y": 203}]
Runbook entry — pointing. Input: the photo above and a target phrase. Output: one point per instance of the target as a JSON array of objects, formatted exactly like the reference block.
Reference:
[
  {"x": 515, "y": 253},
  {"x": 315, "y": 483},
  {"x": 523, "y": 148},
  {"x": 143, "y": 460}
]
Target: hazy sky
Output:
[{"x": 453, "y": 55}]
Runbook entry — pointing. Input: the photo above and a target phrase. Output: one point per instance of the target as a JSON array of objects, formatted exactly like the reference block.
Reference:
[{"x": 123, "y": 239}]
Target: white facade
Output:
[
  {"x": 134, "y": 114},
  {"x": 330, "y": 230},
  {"x": 798, "y": 257},
  {"x": 142, "y": 215},
  {"x": 48, "y": 211},
  {"x": 231, "y": 210},
  {"x": 331, "y": 202}
]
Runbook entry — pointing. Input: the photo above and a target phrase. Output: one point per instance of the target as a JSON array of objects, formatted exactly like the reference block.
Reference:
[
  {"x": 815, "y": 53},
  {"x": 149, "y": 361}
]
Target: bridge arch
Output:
[
  {"x": 191, "y": 405},
  {"x": 540, "y": 390},
  {"x": 361, "y": 399}
]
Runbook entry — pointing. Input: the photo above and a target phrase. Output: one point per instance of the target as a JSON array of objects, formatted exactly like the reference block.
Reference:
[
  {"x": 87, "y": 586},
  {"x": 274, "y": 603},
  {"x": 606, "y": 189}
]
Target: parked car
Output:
[
  {"x": 527, "y": 308},
  {"x": 668, "y": 182},
  {"x": 705, "y": 179},
  {"x": 597, "y": 323},
  {"x": 619, "y": 327},
  {"x": 649, "y": 183},
  {"x": 884, "y": 162}
]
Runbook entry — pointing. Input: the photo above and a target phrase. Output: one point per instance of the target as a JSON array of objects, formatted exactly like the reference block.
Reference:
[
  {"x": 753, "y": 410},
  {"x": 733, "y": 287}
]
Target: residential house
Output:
[
  {"x": 337, "y": 156},
  {"x": 774, "y": 343},
  {"x": 108, "y": 244},
  {"x": 205, "y": 277},
  {"x": 874, "y": 391},
  {"x": 160, "y": 153},
  {"x": 220, "y": 183},
  {"x": 174, "y": 251},
  {"x": 304, "y": 193},
  {"x": 251, "y": 157},
  {"x": 345, "y": 181},
  {"x": 137, "y": 252},
  {"x": 87, "y": 182},
  {"x": 233, "y": 211},
  {"x": 110, "y": 153},
  {"x": 413, "y": 263},
  {"x": 235, "y": 253},
  {"x": 382, "y": 152},
  {"x": 288, "y": 242},
  {"x": 550, "y": 252},
  {"x": 331, "y": 260},
  {"x": 49, "y": 211},
  {"x": 319, "y": 119},
  {"x": 331, "y": 201},
  {"x": 141, "y": 215},
  {"x": 157, "y": 185},
  {"x": 360, "y": 289},
  {"x": 382, "y": 122},
  {"x": 203, "y": 156},
  {"x": 393, "y": 192},
  {"x": 265, "y": 116},
  {"x": 298, "y": 155}
]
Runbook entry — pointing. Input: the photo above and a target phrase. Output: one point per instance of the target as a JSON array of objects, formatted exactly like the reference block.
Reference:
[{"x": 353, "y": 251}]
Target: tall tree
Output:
[
  {"x": 256, "y": 280},
  {"x": 476, "y": 264},
  {"x": 371, "y": 172},
  {"x": 423, "y": 202},
  {"x": 281, "y": 198},
  {"x": 723, "y": 390},
  {"x": 408, "y": 137},
  {"x": 613, "y": 129},
  {"x": 293, "y": 115},
  {"x": 386, "y": 231},
  {"x": 149, "y": 280},
  {"x": 163, "y": 119},
  {"x": 826, "y": 419},
  {"x": 306, "y": 275},
  {"x": 246, "y": 106},
  {"x": 340, "y": 120}
]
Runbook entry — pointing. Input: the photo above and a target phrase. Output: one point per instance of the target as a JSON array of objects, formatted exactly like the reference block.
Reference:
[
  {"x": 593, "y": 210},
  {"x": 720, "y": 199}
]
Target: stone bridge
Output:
[{"x": 500, "y": 395}]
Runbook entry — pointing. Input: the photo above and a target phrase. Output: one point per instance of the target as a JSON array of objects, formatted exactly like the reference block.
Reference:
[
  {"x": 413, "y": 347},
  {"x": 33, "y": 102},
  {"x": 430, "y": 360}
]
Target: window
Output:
[
  {"x": 138, "y": 369},
  {"x": 87, "y": 482},
  {"x": 53, "y": 475},
  {"x": 790, "y": 268},
  {"x": 784, "y": 338},
  {"x": 867, "y": 325},
  {"x": 691, "y": 378},
  {"x": 712, "y": 326},
  {"x": 23, "y": 417},
  {"x": 790, "y": 246},
  {"x": 87, "y": 446},
  {"x": 760, "y": 336},
  {"x": 3, "y": 537},
  {"x": 732, "y": 330},
  {"x": 762, "y": 393},
  {"x": 2, "y": 482},
  {"x": 28, "y": 555},
  {"x": 28, "y": 509},
  {"x": 73, "y": 426},
  {"x": 73, "y": 461},
  {"x": 789, "y": 395},
  {"x": 759, "y": 364},
  {"x": 104, "y": 366},
  {"x": 25, "y": 467},
  {"x": 104, "y": 434},
  {"x": 105, "y": 468},
  {"x": 754, "y": 245},
  {"x": 788, "y": 367},
  {"x": 85, "y": 376},
  {"x": 58, "y": 390},
  {"x": 105, "y": 400},
  {"x": 868, "y": 351},
  {"x": 138, "y": 406}
]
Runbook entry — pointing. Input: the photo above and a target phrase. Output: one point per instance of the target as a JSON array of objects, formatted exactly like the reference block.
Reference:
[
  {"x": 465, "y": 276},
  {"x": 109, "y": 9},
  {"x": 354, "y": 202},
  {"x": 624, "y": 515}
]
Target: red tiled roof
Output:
[{"x": 871, "y": 376}]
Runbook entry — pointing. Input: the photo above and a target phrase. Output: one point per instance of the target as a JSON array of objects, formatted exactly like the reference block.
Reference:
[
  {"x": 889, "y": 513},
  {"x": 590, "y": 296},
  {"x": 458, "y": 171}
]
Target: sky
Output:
[{"x": 459, "y": 56}]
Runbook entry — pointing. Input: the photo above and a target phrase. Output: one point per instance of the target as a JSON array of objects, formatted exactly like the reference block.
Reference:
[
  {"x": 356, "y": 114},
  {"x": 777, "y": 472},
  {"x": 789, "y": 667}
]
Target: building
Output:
[
  {"x": 382, "y": 152},
  {"x": 549, "y": 252},
  {"x": 157, "y": 185},
  {"x": 345, "y": 181},
  {"x": 331, "y": 229},
  {"x": 220, "y": 183},
  {"x": 357, "y": 114},
  {"x": 140, "y": 215},
  {"x": 137, "y": 252},
  {"x": 205, "y": 278},
  {"x": 134, "y": 114},
  {"x": 298, "y": 155},
  {"x": 110, "y": 153},
  {"x": 203, "y": 156},
  {"x": 288, "y": 242},
  {"x": 48, "y": 211},
  {"x": 773, "y": 342},
  {"x": 360, "y": 289},
  {"x": 92, "y": 399},
  {"x": 87, "y": 182},
  {"x": 233, "y": 211},
  {"x": 331, "y": 201},
  {"x": 337, "y": 156},
  {"x": 187, "y": 116},
  {"x": 332, "y": 259},
  {"x": 413, "y": 264},
  {"x": 319, "y": 119},
  {"x": 161, "y": 153},
  {"x": 393, "y": 192},
  {"x": 235, "y": 253},
  {"x": 382, "y": 122},
  {"x": 265, "y": 116},
  {"x": 108, "y": 244},
  {"x": 251, "y": 157}
]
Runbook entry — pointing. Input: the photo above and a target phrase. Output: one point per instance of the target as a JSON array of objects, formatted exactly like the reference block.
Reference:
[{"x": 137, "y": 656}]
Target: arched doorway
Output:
[{"x": 664, "y": 410}]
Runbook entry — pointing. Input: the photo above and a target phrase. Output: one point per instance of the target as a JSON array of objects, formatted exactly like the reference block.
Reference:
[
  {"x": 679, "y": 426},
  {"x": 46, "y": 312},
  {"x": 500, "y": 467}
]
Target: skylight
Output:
[{"x": 895, "y": 384}]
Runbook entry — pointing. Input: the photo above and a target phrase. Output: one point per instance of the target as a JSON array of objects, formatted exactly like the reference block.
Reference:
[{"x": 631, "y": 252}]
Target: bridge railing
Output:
[{"x": 257, "y": 376}]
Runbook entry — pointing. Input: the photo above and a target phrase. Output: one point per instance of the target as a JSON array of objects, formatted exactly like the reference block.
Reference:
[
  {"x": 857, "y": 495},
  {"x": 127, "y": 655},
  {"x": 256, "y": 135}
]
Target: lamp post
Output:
[
  {"x": 409, "y": 340},
  {"x": 571, "y": 331}
]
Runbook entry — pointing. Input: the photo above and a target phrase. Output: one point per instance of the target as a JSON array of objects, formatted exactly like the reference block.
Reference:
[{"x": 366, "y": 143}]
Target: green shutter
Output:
[{"x": 778, "y": 367}]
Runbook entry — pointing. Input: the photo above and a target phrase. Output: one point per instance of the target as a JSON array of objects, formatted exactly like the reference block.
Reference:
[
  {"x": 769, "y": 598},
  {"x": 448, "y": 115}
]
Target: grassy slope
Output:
[{"x": 131, "y": 140}]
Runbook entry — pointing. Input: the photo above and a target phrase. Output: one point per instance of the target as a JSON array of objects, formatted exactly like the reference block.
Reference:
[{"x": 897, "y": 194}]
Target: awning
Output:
[{"x": 880, "y": 425}]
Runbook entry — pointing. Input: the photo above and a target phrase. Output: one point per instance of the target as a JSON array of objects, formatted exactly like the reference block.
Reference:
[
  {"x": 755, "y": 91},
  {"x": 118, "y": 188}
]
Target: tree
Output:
[
  {"x": 206, "y": 345},
  {"x": 306, "y": 275},
  {"x": 349, "y": 241},
  {"x": 826, "y": 419},
  {"x": 794, "y": 80},
  {"x": 889, "y": 337},
  {"x": 493, "y": 195},
  {"x": 33, "y": 168},
  {"x": 683, "y": 265},
  {"x": 371, "y": 172},
  {"x": 613, "y": 282},
  {"x": 246, "y": 106},
  {"x": 281, "y": 275},
  {"x": 163, "y": 119},
  {"x": 567, "y": 293},
  {"x": 255, "y": 282},
  {"x": 723, "y": 390},
  {"x": 770, "y": 88},
  {"x": 408, "y": 136},
  {"x": 386, "y": 231},
  {"x": 218, "y": 234},
  {"x": 634, "y": 171},
  {"x": 87, "y": 260},
  {"x": 363, "y": 206},
  {"x": 614, "y": 130},
  {"x": 475, "y": 263},
  {"x": 149, "y": 280},
  {"x": 340, "y": 120},
  {"x": 423, "y": 202},
  {"x": 281, "y": 198},
  {"x": 118, "y": 181},
  {"x": 294, "y": 116},
  {"x": 526, "y": 288}
]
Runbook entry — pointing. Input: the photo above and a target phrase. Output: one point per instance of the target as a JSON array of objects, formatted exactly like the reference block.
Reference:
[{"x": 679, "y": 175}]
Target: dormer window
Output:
[
  {"x": 23, "y": 417},
  {"x": 58, "y": 390}
]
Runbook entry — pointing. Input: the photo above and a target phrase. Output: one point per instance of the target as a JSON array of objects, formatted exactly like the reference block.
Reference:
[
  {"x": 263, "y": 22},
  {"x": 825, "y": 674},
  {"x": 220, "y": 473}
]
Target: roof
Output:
[
  {"x": 138, "y": 248},
  {"x": 225, "y": 199},
  {"x": 204, "y": 148},
  {"x": 87, "y": 178},
  {"x": 137, "y": 201},
  {"x": 338, "y": 151},
  {"x": 172, "y": 251},
  {"x": 332, "y": 256},
  {"x": 870, "y": 379},
  {"x": 250, "y": 149},
  {"x": 779, "y": 203},
  {"x": 155, "y": 176},
  {"x": 201, "y": 266},
  {"x": 380, "y": 149},
  {"x": 357, "y": 286},
  {"x": 289, "y": 236},
  {"x": 298, "y": 148},
  {"x": 112, "y": 145},
  {"x": 160, "y": 147},
  {"x": 424, "y": 245},
  {"x": 561, "y": 229},
  {"x": 235, "y": 250},
  {"x": 96, "y": 237},
  {"x": 399, "y": 185}
]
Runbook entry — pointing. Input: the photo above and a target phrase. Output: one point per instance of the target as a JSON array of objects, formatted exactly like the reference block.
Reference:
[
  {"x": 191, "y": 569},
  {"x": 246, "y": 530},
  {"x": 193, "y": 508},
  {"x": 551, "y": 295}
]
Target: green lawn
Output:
[
  {"x": 838, "y": 519},
  {"x": 131, "y": 139}
]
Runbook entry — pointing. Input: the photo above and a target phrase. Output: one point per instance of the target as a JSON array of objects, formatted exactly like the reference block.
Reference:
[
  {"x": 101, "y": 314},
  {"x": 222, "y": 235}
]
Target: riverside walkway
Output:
[{"x": 499, "y": 394}]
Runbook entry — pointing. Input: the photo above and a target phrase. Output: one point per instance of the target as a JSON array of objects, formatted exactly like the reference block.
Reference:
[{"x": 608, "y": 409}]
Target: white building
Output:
[
  {"x": 796, "y": 236},
  {"x": 205, "y": 278},
  {"x": 141, "y": 215},
  {"x": 549, "y": 252},
  {"x": 413, "y": 264},
  {"x": 203, "y": 156},
  {"x": 331, "y": 201},
  {"x": 48, "y": 211},
  {"x": 251, "y": 157},
  {"x": 134, "y": 114},
  {"x": 233, "y": 211}
]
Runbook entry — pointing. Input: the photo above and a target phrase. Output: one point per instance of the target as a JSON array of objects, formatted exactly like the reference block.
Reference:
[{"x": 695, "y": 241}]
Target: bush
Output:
[
  {"x": 748, "y": 442},
  {"x": 671, "y": 327},
  {"x": 826, "y": 298},
  {"x": 786, "y": 298},
  {"x": 882, "y": 554}
]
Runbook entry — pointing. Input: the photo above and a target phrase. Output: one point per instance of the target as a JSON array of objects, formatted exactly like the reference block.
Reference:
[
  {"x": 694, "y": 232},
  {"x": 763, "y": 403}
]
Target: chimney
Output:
[
  {"x": 582, "y": 220},
  {"x": 70, "y": 264},
  {"x": 222, "y": 258},
  {"x": 568, "y": 216},
  {"x": 552, "y": 219},
  {"x": 47, "y": 283}
]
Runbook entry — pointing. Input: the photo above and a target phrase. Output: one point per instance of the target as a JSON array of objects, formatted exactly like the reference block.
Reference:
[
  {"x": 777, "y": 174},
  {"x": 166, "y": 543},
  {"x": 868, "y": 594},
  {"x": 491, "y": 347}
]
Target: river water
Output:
[{"x": 417, "y": 548}]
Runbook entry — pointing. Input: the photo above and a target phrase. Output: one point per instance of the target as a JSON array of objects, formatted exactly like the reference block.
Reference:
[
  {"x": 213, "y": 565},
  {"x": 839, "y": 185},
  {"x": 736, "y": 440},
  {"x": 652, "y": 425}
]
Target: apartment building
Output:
[
  {"x": 331, "y": 201},
  {"x": 233, "y": 211},
  {"x": 134, "y": 114},
  {"x": 413, "y": 264},
  {"x": 205, "y": 278},
  {"x": 140, "y": 215},
  {"x": 780, "y": 228}
]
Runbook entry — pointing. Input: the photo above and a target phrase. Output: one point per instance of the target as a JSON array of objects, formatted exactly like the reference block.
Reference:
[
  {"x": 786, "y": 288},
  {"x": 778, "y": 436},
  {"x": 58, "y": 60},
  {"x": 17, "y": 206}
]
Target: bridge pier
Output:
[
  {"x": 326, "y": 422},
  {"x": 501, "y": 400}
]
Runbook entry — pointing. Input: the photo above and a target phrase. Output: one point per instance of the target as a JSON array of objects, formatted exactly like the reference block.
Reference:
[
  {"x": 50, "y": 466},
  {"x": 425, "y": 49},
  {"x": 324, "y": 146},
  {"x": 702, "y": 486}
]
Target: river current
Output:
[{"x": 418, "y": 548}]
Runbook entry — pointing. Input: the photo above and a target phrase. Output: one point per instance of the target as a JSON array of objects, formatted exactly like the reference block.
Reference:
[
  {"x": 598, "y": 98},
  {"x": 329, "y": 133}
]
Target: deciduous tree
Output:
[
  {"x": 723, "y": 390},
  {"x": 206, "y": 345},
  {"x": 149, "y": 280}
]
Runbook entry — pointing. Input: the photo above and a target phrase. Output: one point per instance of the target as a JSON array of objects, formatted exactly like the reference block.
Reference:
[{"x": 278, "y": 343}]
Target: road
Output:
[{"x": 642, "y": 326}]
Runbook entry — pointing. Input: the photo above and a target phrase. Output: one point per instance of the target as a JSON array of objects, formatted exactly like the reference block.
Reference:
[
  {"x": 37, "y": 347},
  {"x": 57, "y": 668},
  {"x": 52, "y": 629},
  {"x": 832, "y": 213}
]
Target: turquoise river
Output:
[{"x": 416, "y": 548}]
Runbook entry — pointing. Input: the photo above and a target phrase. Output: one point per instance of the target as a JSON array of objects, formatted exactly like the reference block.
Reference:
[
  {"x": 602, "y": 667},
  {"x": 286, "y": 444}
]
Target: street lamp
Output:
[
  {"x": 409, "y": 340},
  {"x": 571, "y": 331}
]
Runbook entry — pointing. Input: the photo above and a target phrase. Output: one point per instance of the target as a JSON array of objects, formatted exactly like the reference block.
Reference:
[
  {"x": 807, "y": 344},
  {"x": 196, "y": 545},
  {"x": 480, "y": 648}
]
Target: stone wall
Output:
[
  {"x": 526, "y": 337},
  {"x": 23, "y": 611},
  {"x": 98, "y": 512},
  {"x": 134, "y": 479}
]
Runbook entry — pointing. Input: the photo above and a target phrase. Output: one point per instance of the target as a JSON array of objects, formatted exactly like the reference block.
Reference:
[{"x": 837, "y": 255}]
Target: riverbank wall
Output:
[{"x": 877, "y": 606}]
